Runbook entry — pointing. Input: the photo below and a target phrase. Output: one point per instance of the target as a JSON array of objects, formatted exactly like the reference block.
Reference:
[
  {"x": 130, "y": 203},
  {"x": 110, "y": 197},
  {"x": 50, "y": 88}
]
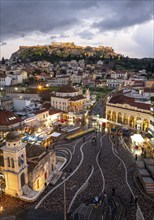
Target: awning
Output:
[
  {"x": 55, "y": 134},
  {"x": 137, "y": 138}
]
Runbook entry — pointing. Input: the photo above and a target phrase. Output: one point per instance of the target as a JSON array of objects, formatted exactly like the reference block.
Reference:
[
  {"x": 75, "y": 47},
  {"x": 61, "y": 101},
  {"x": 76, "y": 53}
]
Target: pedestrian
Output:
[
  {"x": 136, "y": 199},
  {"x": 105, "y": 198},
  {"x": 83, "y": 139},
  {"x": 113, "y": 191},
  {"x": 131, "y": 198}
]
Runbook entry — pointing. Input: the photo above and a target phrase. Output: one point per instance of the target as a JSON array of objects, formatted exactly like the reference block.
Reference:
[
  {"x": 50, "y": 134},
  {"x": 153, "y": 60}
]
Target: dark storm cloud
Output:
[
  {"x": 19, "y": 18},
  {"x": 124, "y": 14}
]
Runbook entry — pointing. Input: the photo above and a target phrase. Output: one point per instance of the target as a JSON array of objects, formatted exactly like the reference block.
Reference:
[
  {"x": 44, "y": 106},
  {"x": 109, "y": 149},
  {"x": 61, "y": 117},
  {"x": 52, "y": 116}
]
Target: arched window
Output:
[
  {"x": 19, "y": 161},
  {"x": 12, "y": 162},
  {"x": 8, "y": 162}
]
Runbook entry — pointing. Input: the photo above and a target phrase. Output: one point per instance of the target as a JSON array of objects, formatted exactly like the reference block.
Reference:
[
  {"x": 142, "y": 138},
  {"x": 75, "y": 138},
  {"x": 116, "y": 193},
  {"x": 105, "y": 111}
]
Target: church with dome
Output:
[{"x": 24, "y": 168}]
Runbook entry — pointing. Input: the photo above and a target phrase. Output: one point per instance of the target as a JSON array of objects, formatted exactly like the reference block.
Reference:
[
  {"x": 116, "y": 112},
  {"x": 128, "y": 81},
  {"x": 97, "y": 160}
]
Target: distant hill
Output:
[
  {"x": 62, "y": 51},
  {"x": 58, "y": 51}
]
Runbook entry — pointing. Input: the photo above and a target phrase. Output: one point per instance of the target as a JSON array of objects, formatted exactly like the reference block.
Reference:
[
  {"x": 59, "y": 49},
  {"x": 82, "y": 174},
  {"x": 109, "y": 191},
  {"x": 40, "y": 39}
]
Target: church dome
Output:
[{"x": 13, "y": 136}]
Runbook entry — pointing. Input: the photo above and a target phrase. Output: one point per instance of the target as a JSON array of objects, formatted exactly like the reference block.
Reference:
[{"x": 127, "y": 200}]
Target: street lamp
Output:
[
  {"x": 1, "y": 209},
  {"x": 64, "y": 178}
]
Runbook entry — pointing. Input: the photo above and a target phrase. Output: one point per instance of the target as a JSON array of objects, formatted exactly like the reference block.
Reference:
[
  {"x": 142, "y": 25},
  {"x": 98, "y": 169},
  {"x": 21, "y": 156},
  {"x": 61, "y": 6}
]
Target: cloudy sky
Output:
[{"x": 126, "y": 25}]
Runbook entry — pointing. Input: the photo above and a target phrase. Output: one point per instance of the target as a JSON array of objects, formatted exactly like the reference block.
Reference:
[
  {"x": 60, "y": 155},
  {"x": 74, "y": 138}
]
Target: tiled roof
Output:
[
  {"x": 46, "y": 105},
  {"x": 121, "y": 99},
  {"x": 34, "y": 155},
  {"x": 66, "y": 89},
  {"x": 53, "y": 111},
  {"x": 40, "y": 111},
  {"x": 8, "y": 118},
  {"x": 78, "y": 97},
  {"x": 141, "y": 105},
  {"x": 34, "y": 151}
]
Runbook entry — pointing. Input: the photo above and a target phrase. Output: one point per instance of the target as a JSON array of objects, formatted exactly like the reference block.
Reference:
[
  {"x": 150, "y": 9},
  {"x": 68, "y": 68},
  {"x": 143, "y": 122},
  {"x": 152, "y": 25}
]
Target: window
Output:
[
  {"x": 38, "y": 184},
  {"x": 12, "y": 162},
  {"x": 11, "y": 118},
  {"x": 8, "y": 162},
  {"x": 19, "y": 161}
]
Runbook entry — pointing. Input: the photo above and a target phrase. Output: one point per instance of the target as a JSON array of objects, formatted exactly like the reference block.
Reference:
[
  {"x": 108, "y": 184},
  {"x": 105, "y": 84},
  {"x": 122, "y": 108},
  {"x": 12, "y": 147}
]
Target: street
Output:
[{"x": 104, "y": 164}]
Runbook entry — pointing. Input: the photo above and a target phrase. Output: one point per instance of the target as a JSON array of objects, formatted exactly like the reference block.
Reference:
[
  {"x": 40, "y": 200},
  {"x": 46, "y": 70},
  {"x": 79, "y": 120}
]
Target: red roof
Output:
[
  {"x": 8, "y": 118},
  {"x": 40, "y": 111},
  {"x": 121, "y": 99},
  {"x": 46, "y": 105},
  {"x": 53, "y": 111}
]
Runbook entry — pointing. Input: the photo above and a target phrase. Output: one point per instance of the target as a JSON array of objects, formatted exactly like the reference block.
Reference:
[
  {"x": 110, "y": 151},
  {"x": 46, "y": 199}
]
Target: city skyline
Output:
[{"x": 127, "y": 26}]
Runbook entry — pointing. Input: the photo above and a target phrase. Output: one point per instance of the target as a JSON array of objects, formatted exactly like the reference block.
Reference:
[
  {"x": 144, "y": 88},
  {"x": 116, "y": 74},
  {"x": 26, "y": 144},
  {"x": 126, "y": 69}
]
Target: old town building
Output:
[
  {"x": 127, "y": 111},
  {"x": 9, "y": 121},
  {"x": 68, "y": 99},
  {"x": 24, "y": 168}
]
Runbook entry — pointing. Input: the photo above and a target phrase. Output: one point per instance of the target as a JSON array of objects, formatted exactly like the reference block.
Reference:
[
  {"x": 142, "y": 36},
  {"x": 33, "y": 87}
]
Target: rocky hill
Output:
[{"x": 62, "y": 51}]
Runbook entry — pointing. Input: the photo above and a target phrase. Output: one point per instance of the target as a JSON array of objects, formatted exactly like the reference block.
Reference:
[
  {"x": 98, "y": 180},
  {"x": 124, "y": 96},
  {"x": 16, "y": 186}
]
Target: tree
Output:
[
  {"x": 152, "y": 98},
  {"x": 148, "y": 68},
  {"x": 3, "y": 61},
  {"x": 152, "y": 69}
]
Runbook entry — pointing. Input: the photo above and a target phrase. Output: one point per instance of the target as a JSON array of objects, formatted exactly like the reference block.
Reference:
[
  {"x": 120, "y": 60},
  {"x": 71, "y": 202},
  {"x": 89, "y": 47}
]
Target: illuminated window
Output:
[
  {"x": 11, "y": 118},
  {"x": 38, "y": 184}
]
